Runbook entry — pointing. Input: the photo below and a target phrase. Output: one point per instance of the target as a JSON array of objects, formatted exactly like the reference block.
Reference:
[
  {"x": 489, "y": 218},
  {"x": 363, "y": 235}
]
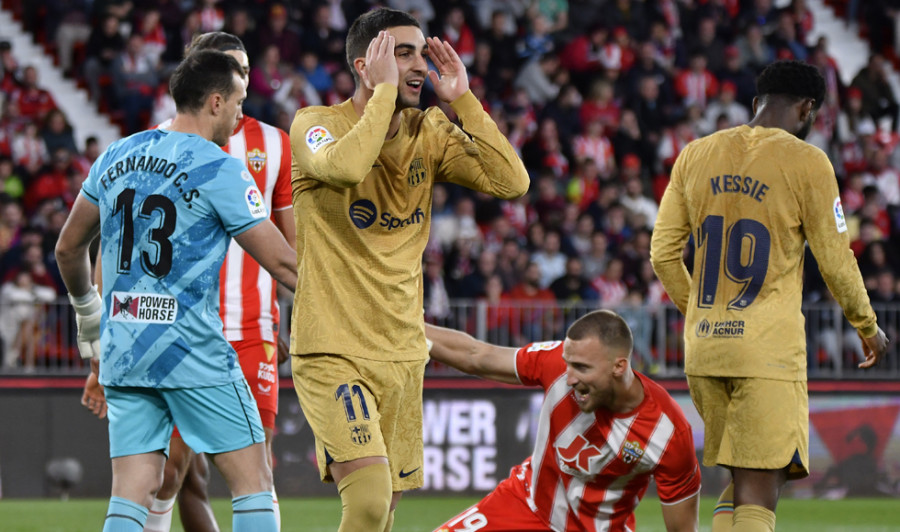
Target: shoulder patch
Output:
[
  {"x": 839, "y": 219},
  {"x": 255, "y": 202},
  {"x": 316, "y": 137},
  {"x": 543, "y": 346}
]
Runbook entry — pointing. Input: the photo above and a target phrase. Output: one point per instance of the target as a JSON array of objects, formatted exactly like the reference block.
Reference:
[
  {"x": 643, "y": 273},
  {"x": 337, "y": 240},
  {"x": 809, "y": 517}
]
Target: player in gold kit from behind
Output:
[{"x": 752, "y": 197}]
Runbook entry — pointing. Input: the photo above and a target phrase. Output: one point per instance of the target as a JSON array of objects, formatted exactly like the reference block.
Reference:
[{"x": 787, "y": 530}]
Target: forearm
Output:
[
  {"x": 469, "y": 355},
  {"x": 347, "y": 161},
  {"x": 497, "y": 168},
  {"x": 75, "y": 268}
]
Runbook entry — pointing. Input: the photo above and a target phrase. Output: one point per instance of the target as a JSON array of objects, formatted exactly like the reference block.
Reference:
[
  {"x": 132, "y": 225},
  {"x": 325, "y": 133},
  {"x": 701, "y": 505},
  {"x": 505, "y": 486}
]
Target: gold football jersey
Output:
[
  {"x": 752, "y": 198},
  {"x": 362, "y": 205}
]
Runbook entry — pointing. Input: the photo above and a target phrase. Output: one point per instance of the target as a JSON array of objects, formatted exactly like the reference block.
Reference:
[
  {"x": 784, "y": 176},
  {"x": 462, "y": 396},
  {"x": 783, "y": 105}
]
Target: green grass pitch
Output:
[{"x": 418, "y": 514}]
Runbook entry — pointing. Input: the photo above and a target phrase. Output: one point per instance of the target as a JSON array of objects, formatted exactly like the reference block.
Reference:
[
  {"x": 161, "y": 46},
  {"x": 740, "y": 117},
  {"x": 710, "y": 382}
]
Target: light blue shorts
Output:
[{"x": 214, "y": 419}]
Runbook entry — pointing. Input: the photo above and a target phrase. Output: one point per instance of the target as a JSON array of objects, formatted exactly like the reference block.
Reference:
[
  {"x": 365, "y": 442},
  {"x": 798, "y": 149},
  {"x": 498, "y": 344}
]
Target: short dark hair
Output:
[
  {"x": 201, "y": 74},
  {"x": 793, "y": 80},
  {"x": 366, "y": 27},
  {"x": 605, "y": 325},
  {"x": 215, "y": 40}
]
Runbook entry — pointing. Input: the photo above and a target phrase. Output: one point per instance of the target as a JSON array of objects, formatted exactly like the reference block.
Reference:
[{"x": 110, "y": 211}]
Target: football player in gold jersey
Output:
[
  {"x": 362, "y": 179},
  {"x": 752, "y": 197}
]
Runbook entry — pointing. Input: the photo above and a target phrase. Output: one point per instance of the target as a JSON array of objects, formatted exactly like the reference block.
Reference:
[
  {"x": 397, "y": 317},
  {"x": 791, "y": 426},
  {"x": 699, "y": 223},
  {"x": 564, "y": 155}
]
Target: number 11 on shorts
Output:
[{"x": 346, "y": 392}]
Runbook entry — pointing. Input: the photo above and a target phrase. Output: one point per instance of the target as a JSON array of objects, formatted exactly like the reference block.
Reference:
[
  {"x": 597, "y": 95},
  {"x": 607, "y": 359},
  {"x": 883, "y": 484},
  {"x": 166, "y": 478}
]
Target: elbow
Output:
[{"x": 518, "y": 186}]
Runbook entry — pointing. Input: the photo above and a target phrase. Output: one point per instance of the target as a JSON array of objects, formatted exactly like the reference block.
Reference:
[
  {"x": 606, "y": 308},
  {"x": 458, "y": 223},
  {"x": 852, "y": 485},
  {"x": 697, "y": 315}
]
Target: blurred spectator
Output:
[
  {"x": 32, "y": 101},
  {"x": 73, "y": 30},
  {"x": 628, "y": 14},
  {"x": 596, "y": 258},
  {"x": 535, "y": 307},
  {"x": 784, "y": 39},
  {"x": 9, "y": 69},
  {"x": 296, "y": 93},
  {"x": 648, "y": 65},
  {"x": 878, "y": 97},
  {"x": 21, "y": 314},
  {"x": 266, "y": 78},
  {"x": 696, "y": 85},
  {"x": 726, "y": 104},
  {"x": 556, "y": 12},
  {"x": 457, "y": 32},
  {"x": 649, "y": 111},
  {"x": 854, "y": 127},
  {"x": 755, "y": 52},
  {"x": 103, "y": 47},
  {"x": 502, "y": 43},
  {"x": 601, "y": 105},
  {"x": 315, "y": 72},
  {"x": 500, "y": 316},
  {"x": 422, "y": 10},
  {"x": 708, "y": 43},
  {"x": 743, "y": 79},
  {"x": 238, "y": 23},
  {"x": 434, "y": 290},
  {"x": 852, "y": 198},
  {"x": 322, "y": 37},
  {"x": 565, "y": 110},
  {"x": 280, "y": 34},
  {"x": 550, "y": 260},
  {"x": 609, "y": 285},
  {"x": 630, "y": 140},
  {"x": 572, "y": 286},
  {"x": 12, "y": 219},
  {"x": 134, "y": 83},
  {"x": 51, "y": 181},
  {"x": 592, "y": 144},
  {"x": 472, "y": 285},
  {"x": 536, "y": 78},
  {"x": 155, "y": 40},
  {"x": 584, "y": 186},
  {"x": 342, "y": 88},
  {"x": 884, "y": 177},
  {"x": 29, "y": 150},
  {"x": 57, "y": 133},
  {"x": 581, "y": 56},
  {"x": 761, "y": 13},
  {"x": 11, "y": 183},
  {"x": 212, "y": 17},
  {"x": 637, "y": 203},
  {"x": 549, "y": 204},
  {"x": 674, "y": 140},
  {"x": 537, "y": 42}
]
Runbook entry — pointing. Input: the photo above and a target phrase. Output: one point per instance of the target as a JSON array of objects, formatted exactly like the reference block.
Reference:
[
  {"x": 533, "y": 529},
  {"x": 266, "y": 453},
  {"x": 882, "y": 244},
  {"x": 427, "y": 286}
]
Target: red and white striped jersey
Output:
[
  {"x": 588, "y": 471},
  {"x": 247, "y": 302}
]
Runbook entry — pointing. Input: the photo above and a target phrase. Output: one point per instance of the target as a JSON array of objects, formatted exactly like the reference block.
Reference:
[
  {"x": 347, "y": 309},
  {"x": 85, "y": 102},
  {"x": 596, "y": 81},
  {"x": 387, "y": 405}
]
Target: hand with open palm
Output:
[{"x": 450, "y": 81}]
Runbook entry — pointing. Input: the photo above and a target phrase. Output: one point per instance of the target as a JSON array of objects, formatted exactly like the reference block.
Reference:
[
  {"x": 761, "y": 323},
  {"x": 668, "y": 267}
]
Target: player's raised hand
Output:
[
  {"x": 874, "y": 349},
  {"x": 381, "y": 65},
  {"x": 450, "y": 81}
]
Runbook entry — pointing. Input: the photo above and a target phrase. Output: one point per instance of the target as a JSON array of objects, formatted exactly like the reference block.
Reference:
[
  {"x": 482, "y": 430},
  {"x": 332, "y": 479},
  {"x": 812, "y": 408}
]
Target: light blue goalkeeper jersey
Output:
[{"x": 169, "y": 204}]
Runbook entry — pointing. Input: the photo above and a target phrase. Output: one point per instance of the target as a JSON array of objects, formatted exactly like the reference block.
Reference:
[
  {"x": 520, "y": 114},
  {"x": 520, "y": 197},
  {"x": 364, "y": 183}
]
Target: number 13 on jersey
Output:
[{"x": 745, "y": 246}]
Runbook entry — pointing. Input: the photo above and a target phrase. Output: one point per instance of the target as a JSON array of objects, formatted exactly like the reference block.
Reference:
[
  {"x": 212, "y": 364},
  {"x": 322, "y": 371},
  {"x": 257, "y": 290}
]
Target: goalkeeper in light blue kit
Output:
[{"x": 165, "y": 204}]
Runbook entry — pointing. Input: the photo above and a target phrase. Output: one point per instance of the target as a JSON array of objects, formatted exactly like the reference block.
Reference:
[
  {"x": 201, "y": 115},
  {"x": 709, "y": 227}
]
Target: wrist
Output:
[{"x": 87, "y": 304}]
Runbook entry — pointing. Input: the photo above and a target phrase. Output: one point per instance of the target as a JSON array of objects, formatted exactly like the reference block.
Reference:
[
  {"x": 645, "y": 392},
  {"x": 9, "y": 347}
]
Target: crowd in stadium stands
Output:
[{"x": 599, "y": 97}]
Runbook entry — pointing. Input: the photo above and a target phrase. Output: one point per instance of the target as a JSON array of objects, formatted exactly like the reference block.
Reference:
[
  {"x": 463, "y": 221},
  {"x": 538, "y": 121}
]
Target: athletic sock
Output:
[
  {"x": 276, "y": 509},
  {"x": 366, "y": 499},
  {"x": 124, "y": 516},
  {"x": 390, "y": 523},
  {"x": 160, "y": 517},
  {"x": 253, "y": 513},
  {"x": 724, "y": 510},
  {"x": 753, "y": 518}
]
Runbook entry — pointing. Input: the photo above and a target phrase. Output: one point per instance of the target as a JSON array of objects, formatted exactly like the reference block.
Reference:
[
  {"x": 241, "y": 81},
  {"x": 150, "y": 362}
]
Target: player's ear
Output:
[
  {"x": 360, "y": 65},
  {"x": 807, "y": 106},
  {"x": 755, "y": 104}
]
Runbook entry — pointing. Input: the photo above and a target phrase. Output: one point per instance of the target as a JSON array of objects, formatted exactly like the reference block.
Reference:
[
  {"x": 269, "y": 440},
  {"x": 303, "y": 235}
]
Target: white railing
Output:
[{"x": 833, "y": 349}]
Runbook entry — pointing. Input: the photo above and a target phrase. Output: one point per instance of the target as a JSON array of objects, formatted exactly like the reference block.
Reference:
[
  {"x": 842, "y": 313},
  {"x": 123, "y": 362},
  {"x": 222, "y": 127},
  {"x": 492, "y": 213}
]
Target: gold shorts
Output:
[
  {"x": 358, "y": 408},
  {"x": 753, "y": 423}
]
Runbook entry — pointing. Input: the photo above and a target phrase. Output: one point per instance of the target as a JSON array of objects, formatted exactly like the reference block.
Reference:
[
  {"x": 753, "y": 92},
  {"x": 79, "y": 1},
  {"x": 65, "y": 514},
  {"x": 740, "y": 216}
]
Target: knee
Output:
[{"x": 366, "y": 495}]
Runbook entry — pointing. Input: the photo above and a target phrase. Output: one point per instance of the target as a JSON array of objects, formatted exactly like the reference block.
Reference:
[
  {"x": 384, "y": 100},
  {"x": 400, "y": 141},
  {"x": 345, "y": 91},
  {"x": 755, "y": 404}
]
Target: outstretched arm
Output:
[
  {"x": 463, "y": 352},
  {"x": 266, "y": 244}
]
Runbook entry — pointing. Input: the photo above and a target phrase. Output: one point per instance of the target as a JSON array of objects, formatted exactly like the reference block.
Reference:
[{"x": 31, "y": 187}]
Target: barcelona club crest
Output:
[
  {"x": 631, "y": 452},
  {"x": 417, "y": 173},
  {"x": 256, "y": 160},
  {"x": 360, "y": 434}
]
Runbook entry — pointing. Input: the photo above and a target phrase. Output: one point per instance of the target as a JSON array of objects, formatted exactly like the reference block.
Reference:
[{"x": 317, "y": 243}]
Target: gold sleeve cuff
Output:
[{"x": 466, "y": 103}]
